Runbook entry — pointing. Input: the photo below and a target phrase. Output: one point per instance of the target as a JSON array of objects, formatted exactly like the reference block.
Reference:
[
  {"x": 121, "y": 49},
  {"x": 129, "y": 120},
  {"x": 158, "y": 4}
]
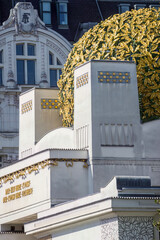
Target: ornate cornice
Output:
[{"x": 38, "y": 166}]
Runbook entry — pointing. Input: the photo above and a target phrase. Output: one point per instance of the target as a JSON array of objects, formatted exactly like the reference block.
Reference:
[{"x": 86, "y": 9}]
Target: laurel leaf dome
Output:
[{"x": 133, "y": 35}]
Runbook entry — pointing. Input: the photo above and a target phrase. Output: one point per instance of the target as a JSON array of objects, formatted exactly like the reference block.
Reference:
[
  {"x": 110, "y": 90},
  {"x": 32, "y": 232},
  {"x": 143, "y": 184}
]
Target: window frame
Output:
[
  {"x": 156, "y": 6},
  {"x": 25, "y": 58},
  {"x": 62, "y": 12},
  {"x": 54, "y": 66},
  {"x": 43, "y": 11},
  {"x": 121, "y": 5},
  {"x": 139, "y": 6}
]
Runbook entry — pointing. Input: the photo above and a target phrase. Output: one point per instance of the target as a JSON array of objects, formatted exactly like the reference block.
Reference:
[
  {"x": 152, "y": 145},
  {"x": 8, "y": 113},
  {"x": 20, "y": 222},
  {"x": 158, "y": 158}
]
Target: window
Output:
[
  {"x": 51, "y": 59},
  {"x": 53, "y": 77},
  {"x": 1, "y": 56},
  {"x": 154, "y": 6},
  {"x": 31, "y": 49},
  {"x": 138, "y": 6},
  {"x": 25, "y": 63},
  {"x": 62, "y": 12},
  {"x": 55, "y": 66},
  {"x": 19, "y": 49},
  {"x": 123, "y": 8},
  {"x": 1, "y": 67},
  {"x": 46, "y": 12},
  {"x": 31, "y": 72},
  {"x": 20, "y": 72}
]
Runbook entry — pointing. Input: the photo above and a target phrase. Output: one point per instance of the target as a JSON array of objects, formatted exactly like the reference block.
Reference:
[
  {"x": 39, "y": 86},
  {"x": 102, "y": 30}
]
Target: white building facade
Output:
[
  {"x": 61, "y": 187},
  {"x": 30, "y": 55},
  {"x": 97, "y": 180}
]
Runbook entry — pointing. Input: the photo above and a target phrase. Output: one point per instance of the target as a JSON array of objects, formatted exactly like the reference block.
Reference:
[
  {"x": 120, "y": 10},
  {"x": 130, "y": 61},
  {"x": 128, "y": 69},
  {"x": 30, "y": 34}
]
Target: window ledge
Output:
[{"x": 63, "y": 26}]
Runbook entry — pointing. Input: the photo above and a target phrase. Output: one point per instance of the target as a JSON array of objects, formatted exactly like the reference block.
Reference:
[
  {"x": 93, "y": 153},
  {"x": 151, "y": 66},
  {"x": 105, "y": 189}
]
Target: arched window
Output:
[
  {"x": 26, "y": 63},
  {"x": 55, "y": 67}
]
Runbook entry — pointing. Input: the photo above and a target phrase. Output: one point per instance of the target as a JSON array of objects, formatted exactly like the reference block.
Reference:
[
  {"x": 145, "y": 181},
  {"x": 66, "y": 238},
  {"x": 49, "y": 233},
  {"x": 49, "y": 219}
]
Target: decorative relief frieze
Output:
[
  {"x": 48, "y": 103},
  {"x": 56, "y": 49},
  {"x": 82, "y": 80},
  {"x": 9, "y": 46},
  {"x": 113, "y": 77},
  {"x": 42, "y": 57},
  {"x": 117, "y": 134},
  {"x": 10, "y": 74},
  {"x": 139, "y": 228},
  {"x": 82, "y": 137},
  {"x": 26, "y": 107},
  {"x": 109, "y": 229},
  {"x": 25, "y": 6},
  {"x": 155, "y": 169},
  {"x": 37, "y": 167}
]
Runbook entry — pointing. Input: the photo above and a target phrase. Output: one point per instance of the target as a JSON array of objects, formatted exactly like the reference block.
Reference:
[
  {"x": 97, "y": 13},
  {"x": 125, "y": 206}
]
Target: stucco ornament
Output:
[
  {"x": 11, "y": 82},
  {"x": 25, "y": 19},
  {"x": 109, "y": 229},
  {"x": 133, "y": 35},
  {"x": 137, "y": 228}
]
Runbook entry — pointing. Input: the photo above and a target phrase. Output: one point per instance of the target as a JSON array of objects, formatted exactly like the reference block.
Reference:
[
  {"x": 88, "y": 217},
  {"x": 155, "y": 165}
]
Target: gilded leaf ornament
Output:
[{"x": 133, "y": 35}]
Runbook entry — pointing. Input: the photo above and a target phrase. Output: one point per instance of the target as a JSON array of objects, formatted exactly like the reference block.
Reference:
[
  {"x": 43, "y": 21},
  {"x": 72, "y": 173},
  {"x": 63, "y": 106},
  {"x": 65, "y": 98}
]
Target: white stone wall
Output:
[
  {"x": 85, "y": 231},
  {"x": 15, "y": 236}
]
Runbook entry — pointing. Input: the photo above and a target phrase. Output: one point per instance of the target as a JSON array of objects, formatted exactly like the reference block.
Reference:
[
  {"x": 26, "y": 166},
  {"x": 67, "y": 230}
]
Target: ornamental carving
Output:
[
  {"x": 2, "y": 42},
  {"x": 25, "y": 6},
  {"x": 37, "y": 167},
  {"x": 109, "y": 229},
  {"x": 56, "y": 49},
  {"x": 137, "y": 228},
  {"x": 24, "y": 18}
]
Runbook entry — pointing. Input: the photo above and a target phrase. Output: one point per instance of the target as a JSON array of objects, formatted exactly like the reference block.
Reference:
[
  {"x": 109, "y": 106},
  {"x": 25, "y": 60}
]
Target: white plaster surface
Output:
[
  {"x": 86, "y": 231},
  {"x": 15, "y": 236},
  {"x": 52, "y": 183},
  {"x": 98, "y": 216},
  {"x": 38, "y": 200},
  {"x": 61, "y": 138},
  {"x": 151, "y": 139},
  {"x": 98, "y": 105}
]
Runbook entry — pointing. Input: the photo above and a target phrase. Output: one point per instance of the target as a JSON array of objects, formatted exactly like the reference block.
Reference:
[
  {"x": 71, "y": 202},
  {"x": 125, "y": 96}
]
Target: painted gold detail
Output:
[
  {"x": 18, "y": 191},
  {"x": 85, "y": 165},
  {"x": 49, "y": 103},
  {"x": 34, "y": 168},
  {"x": 82, "y": 80},
  {"x": 69, "y": 164},
  {"x": 114, "y": 77},
  {"x": 26, "y": 107}
]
